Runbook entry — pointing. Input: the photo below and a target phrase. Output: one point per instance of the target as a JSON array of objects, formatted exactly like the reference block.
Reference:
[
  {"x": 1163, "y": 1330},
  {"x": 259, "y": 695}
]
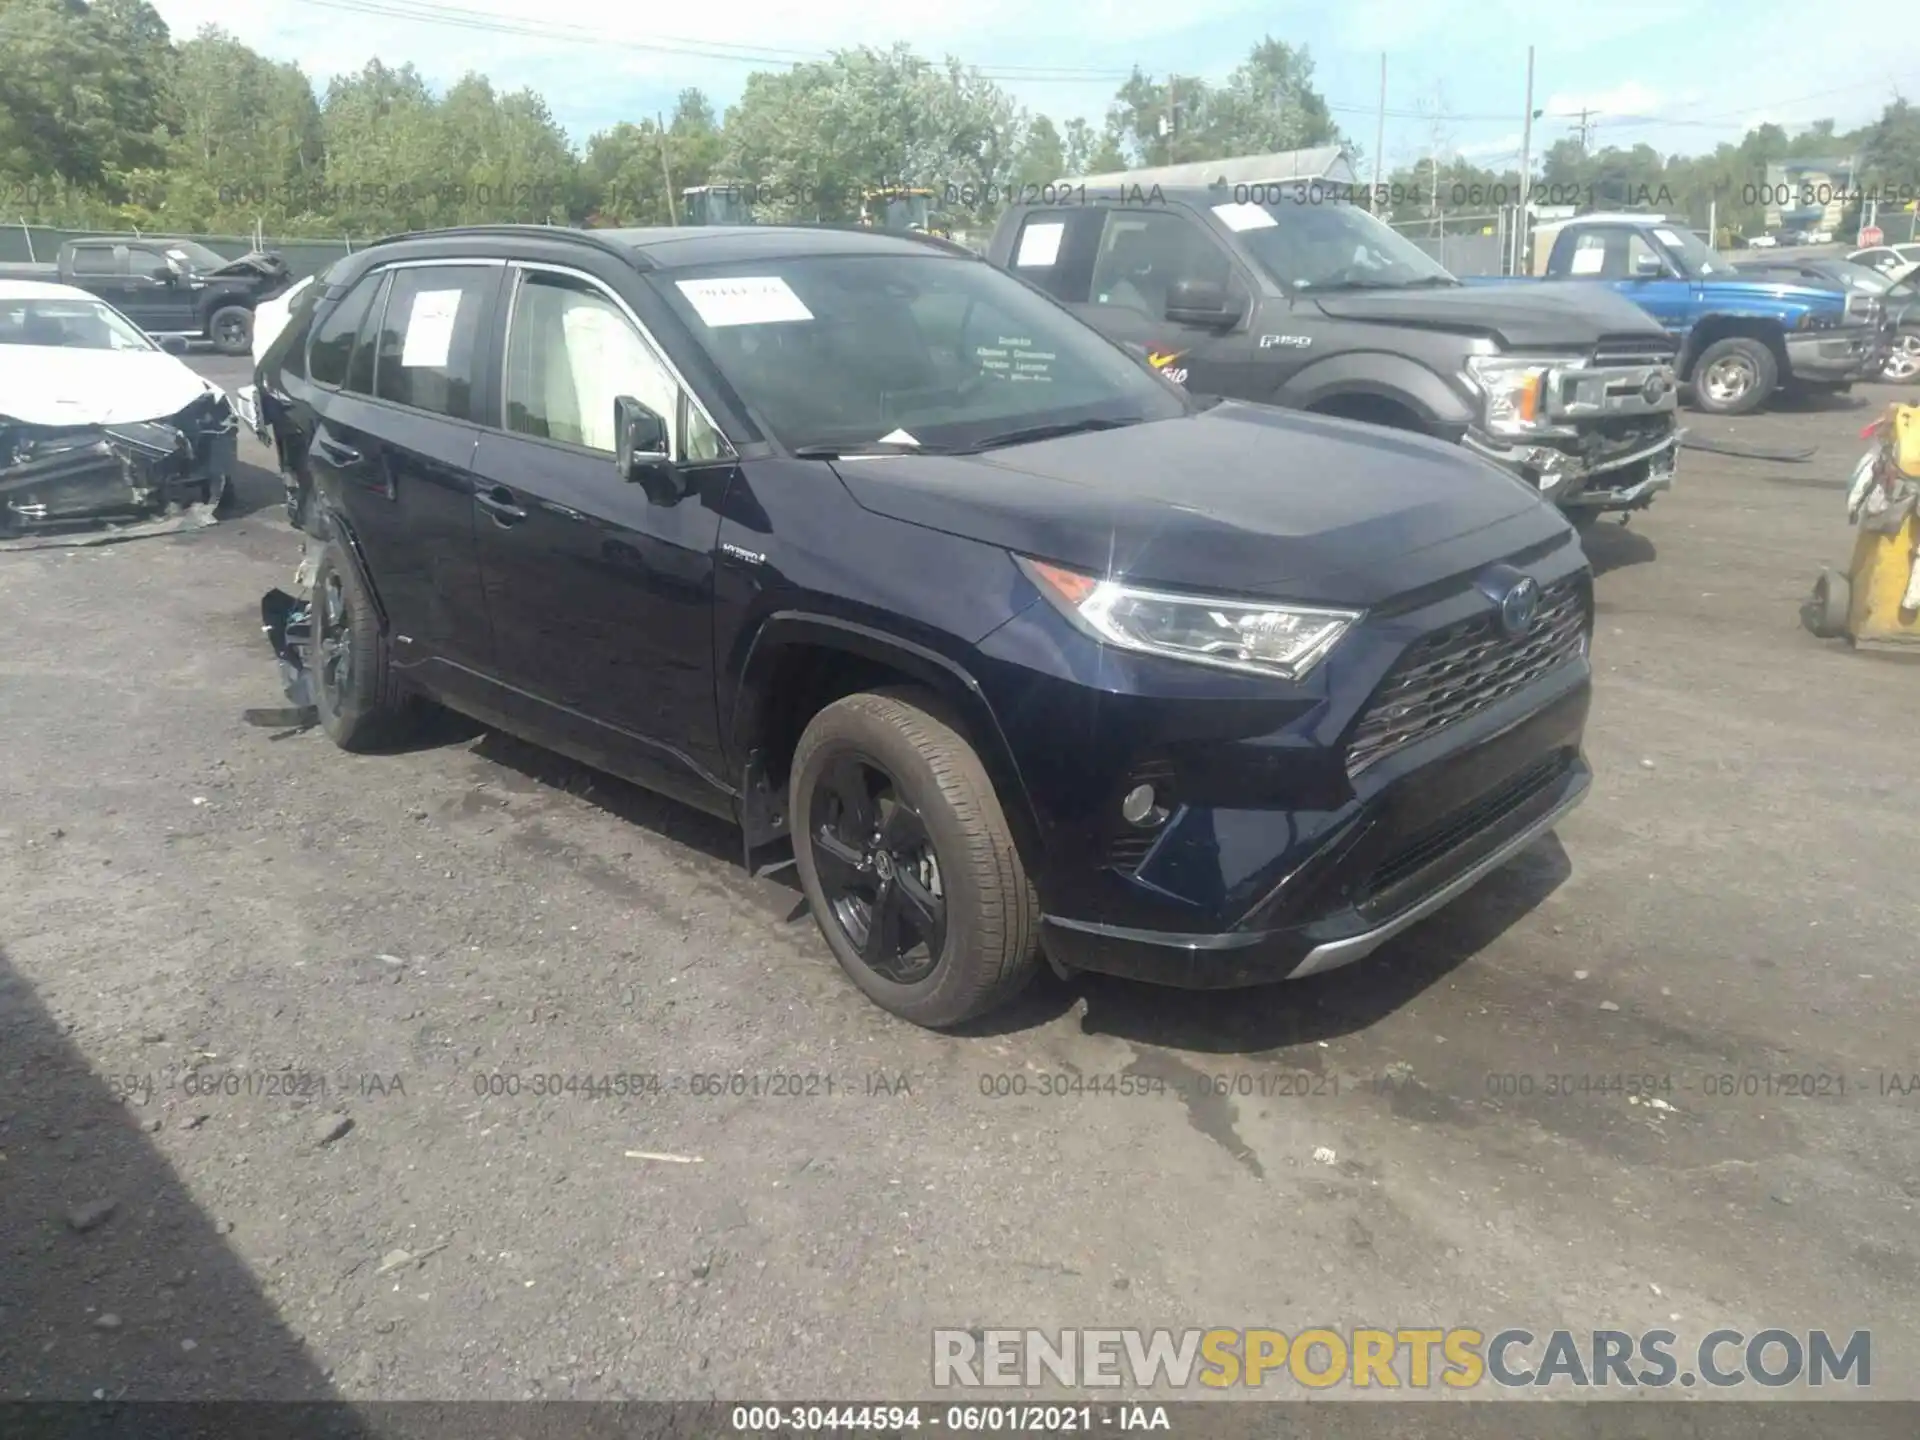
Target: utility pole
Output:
[
  {"x": 673, "y": 216},
  {"x": 1380, "y": 137},
  {"x": 1584, "y": 126},
  {"x": 1524, "y": 230}
]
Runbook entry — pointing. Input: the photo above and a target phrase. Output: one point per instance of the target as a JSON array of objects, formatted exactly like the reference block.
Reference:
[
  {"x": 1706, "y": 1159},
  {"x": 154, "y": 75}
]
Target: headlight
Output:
[
  {"x": 1514, "y": 390},
  {"x": 1284, "y": 641}
]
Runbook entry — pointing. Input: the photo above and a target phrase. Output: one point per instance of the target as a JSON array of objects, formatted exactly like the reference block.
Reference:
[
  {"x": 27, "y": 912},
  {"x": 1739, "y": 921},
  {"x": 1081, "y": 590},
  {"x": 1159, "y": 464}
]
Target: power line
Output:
[{"x": 456, "y": 17}]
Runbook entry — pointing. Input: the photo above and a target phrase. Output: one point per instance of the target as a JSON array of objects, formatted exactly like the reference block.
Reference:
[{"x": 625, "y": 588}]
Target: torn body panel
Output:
[{"x": 60, "y": 476}]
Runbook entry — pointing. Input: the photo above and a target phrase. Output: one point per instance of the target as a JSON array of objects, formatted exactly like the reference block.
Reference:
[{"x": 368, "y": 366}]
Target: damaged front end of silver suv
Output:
[{"x": 58, "y": 479}]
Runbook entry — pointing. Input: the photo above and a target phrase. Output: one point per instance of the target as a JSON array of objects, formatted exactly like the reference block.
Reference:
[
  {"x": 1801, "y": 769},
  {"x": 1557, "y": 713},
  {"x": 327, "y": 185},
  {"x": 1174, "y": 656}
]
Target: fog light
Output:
[{"x": 1137, "y": 805}]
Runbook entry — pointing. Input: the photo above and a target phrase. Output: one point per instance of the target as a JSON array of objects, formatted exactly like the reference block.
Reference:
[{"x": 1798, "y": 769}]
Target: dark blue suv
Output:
[{"x": 870, "y": 547}]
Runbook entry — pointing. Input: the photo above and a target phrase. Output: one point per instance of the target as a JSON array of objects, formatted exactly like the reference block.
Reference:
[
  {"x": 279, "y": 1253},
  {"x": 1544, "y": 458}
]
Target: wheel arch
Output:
[
  {"x": 1371, "y": 378},
  {"x": 799, "y": 662}
]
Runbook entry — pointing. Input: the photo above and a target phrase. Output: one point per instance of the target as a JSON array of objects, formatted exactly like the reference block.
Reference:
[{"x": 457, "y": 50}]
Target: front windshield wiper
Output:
[
  {"x": 862, "y": 447},
  {"x": 1048, "y": 432}
]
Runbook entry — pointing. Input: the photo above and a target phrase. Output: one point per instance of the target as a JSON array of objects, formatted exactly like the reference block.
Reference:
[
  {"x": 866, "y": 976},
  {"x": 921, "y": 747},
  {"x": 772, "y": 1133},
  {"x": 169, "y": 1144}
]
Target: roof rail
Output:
[
  {"x": 507, "y": 230},
  {"x": 938, "y": 242}
]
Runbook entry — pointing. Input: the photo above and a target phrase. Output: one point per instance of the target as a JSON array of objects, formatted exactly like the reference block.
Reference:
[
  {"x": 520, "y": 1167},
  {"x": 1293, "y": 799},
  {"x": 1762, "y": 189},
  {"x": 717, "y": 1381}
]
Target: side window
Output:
[
  {"x": 333, "y": 340},
  {"x": 571, "y": 352},
  {"x": 360, "y": 368},
  {"x": 146, "y": 264},
  {"x": 429, "y": 347},
  {"x": 94, "y": 260},
  {"x": 1639, "y": 252},
  {"x": 1143, "y": 253},
  {"x": 1589, "y": 255},
  {"x": 1055, "y": 250}
]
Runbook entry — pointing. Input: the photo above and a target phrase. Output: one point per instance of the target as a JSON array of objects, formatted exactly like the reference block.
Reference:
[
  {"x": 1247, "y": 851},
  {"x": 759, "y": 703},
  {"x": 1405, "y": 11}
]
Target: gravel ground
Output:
[{"x": 186, "y": 894}]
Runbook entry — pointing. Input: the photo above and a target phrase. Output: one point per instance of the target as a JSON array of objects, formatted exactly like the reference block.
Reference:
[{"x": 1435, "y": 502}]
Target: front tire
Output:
[
  {"x": 361, "y": 703},
  {"x": 1904, "y": 363},
  {"x": 1735, "y": 376},
  {"x": 907, "y": 861}
]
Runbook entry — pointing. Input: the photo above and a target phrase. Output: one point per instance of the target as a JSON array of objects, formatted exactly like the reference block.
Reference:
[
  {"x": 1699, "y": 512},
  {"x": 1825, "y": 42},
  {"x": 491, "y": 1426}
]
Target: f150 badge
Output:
[
  {"x": 1267, "y": 342},
  {"x": 1162, "y": 360}
]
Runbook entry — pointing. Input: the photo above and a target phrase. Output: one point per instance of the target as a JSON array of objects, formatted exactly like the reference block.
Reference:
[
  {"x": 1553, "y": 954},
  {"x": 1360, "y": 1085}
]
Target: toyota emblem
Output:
[{"x": 1519, "y": 606}]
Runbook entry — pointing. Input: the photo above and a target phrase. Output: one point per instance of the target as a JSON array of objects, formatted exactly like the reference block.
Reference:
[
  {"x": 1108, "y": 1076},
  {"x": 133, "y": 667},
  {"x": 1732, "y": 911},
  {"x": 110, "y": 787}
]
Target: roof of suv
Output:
[{"x": 668, "y": 247}]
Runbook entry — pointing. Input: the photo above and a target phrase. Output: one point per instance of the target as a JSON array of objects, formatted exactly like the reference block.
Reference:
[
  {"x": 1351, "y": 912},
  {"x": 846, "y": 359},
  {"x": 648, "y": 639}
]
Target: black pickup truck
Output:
[
  {"x": 1289, "y": 294},
  {"x": 169, "y": 287}
]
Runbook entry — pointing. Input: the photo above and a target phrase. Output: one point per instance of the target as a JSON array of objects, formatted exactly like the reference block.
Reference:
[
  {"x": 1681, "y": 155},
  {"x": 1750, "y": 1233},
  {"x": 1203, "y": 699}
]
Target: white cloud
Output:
[{"x": 1631, "y": 98}]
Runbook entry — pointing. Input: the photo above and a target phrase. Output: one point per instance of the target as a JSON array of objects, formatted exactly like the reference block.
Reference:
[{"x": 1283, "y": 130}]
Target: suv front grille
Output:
[
  {"x": 1633, "y": 350},
  {"x": 1457, "y": 672}
]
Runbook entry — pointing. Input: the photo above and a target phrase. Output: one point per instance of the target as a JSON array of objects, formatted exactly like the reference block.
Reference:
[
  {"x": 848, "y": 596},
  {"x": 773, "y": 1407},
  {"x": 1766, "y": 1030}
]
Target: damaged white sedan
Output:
[{"x": 98, "y": 424}]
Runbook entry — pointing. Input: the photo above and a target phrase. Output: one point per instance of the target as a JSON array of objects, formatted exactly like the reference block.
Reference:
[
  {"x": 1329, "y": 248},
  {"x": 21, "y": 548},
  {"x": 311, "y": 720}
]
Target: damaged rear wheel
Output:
[{"x": 361, "y": 702}]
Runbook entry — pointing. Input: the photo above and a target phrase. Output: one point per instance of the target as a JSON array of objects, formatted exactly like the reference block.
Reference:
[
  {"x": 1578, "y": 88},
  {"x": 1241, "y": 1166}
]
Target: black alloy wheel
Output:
[
  {"x": 878, "y": 870},
  {"x": 333, "y": 642}
]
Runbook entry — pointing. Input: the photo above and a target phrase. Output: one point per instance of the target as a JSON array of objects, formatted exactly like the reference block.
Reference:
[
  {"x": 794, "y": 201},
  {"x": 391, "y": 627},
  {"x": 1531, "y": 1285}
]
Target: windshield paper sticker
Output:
[
  {"x": 1588, "y": 262},
  {"x": 430, "y": 329},
  {"x": 1667, "y": 237},
  {"x": 898, "y": 437},
  {"x": 1014, "y": 358},
  {"x": 744, "y": 300},
  {"x": 1245, "y": 217},
  {"x": 1040, "y": 244}
]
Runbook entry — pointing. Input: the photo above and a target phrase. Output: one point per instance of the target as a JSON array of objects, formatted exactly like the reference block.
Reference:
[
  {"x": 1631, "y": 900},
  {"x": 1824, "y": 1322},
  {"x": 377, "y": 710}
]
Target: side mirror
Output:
[
  {"x": 641, "y": 455},
  {"x": 1649, "y": 267},
  {"x": 173, "y": 344},
  {"x": 1204, "y": 302}
]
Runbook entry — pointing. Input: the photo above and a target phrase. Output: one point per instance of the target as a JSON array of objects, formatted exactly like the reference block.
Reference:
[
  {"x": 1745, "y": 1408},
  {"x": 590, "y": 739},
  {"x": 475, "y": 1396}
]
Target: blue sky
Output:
[{"x": 1678, "y": 76}]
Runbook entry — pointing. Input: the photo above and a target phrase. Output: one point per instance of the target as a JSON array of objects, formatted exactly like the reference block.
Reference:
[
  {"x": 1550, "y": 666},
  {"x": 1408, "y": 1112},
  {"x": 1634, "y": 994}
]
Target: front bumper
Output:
[
  {"x": 59, "y": 478},
  {"x": 1243, "y": 957},
  {"x": 1624, "y": 479},
  {"x": 1340, "y": 879},
  {"x": 1833, "y": 355}
]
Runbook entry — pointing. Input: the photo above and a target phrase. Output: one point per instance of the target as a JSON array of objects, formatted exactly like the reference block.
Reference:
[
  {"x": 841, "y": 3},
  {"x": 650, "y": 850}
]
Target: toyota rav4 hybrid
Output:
[{"x": 865, "y": 545}]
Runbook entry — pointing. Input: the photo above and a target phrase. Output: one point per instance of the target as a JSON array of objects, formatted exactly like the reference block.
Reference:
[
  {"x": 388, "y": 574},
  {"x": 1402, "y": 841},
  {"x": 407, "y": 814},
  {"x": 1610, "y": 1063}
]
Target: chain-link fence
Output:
[
  {"x": 1465, "y": 244},
  {"x": 25, "y": 244}
]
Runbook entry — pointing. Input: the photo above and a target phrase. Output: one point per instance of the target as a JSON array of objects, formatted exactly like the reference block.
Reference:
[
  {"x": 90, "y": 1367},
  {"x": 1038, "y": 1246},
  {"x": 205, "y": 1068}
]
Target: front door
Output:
[
  {"x": 159, "y": 298},
  {"x": 600, "y": 593}
]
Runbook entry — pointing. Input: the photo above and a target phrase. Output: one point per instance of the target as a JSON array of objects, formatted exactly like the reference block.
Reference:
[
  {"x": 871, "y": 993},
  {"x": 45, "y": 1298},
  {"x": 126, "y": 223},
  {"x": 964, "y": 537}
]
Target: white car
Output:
[
  {"x": 1762, "y": 242},
  {"x": 1886, "y": 258},
  {"x": 97, "y": 422},
  {"x": 269, "y": 319}
]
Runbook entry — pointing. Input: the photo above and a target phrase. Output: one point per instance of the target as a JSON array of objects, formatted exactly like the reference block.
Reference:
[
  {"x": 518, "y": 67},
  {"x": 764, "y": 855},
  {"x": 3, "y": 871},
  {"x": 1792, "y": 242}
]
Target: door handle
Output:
[
  {"x": 335, "y": 454},
  {"x": 498, "y": 502}
]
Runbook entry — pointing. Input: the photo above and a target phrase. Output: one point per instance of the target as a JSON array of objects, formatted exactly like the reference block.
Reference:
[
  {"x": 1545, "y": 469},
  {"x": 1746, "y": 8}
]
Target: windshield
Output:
[
  {"x": 193, "y": 255},
  {"x": 1698, "y": 259},
  {"x": 1859, "y": 277},
  {"x": 1313, "y": 245},
  {"x": 74, "y": 324},
  {"x": 910, "y": 350}
]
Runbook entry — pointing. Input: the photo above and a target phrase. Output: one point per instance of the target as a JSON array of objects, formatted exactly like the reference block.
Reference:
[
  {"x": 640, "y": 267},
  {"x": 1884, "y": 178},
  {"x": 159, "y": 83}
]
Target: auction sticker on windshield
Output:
[
  {"x": 1245, "y": 217},
  {"x": 1014, "y": 358},
  {"x": 744, "y": 300}
]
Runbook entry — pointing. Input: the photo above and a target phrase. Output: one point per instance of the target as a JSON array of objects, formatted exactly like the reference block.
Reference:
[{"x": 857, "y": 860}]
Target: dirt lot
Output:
[{"x": 181, "y": 889}]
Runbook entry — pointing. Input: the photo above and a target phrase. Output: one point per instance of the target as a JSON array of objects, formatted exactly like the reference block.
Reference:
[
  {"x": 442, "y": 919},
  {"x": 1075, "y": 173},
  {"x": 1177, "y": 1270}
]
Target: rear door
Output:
[
  {"x": 601, "y": 595},
  {"x": 405, "y": 360}
]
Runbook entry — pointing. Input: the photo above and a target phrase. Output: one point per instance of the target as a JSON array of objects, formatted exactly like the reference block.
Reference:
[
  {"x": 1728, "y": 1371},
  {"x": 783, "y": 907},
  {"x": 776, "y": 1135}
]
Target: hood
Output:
[
  {"x": 255, "y": 262},
  {"x": 1540, "y": 315},
  {"x": 1240, "y": 498},
  {"x": 59, "y": 385},
  {"x": 1769, "y": 295}
]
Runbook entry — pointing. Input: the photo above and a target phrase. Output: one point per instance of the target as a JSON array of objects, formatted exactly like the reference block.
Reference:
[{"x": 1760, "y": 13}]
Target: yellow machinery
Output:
[
  {"x": 899, "y": 208},
  {"x": 1876, "y": 603}
]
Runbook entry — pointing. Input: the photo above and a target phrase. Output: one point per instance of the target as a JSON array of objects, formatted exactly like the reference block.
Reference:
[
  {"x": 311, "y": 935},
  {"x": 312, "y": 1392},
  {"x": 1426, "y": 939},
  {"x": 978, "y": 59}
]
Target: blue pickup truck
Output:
[{"x": 1741, "y": 338}]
